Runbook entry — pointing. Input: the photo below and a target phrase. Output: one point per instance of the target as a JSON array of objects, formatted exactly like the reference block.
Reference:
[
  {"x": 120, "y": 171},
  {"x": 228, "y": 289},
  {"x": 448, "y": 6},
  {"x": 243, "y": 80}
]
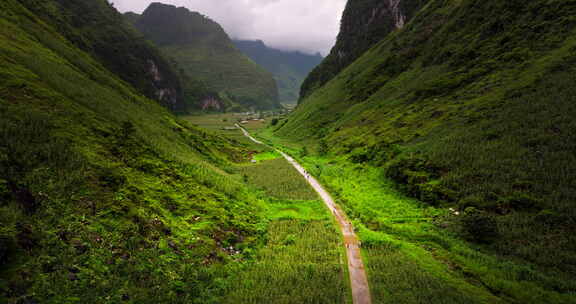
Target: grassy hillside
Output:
[
  {"x": 289, "y": 68},
  {"x": 202, "y": 49},
  {"x": 364, "y": 24},
  {"x": 469, "y": 106},
  {"x": 98, "y": 29},
  {"x": 106, "y": 197}
]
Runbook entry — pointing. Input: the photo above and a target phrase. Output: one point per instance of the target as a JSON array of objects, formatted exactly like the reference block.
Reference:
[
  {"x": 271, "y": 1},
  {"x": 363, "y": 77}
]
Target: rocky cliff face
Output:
[{"x": 364, "y": 23}]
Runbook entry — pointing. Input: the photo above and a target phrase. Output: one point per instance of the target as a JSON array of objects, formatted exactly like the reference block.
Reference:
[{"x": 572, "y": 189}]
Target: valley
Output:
[{"x": 158, "y": 155}]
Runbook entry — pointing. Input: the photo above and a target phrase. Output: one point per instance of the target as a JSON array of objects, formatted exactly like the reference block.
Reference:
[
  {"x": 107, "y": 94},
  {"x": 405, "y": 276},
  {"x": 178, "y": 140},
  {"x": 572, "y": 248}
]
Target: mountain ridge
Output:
[{"x": 290, "y": 68}]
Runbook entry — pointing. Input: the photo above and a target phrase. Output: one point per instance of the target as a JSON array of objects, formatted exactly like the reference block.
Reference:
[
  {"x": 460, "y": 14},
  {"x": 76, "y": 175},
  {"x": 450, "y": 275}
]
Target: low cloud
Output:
[{"x": 303, "y": 25}]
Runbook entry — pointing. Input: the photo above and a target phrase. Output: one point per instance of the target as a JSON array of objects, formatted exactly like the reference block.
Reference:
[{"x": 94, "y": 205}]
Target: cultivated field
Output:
[{"x": 302, "y": 262}]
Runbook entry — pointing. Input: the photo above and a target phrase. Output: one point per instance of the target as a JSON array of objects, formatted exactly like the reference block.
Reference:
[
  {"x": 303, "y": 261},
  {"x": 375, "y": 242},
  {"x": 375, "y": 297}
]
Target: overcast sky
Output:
[{"x": 305, "y": 25}]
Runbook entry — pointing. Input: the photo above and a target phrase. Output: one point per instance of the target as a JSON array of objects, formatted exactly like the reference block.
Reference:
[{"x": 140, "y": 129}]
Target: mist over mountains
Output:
[{"x": 289, "y": 68}]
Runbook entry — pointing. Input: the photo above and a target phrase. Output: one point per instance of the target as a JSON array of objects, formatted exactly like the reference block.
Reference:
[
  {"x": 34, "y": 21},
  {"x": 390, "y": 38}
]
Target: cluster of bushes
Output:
[{"x": 420, "y": 179}]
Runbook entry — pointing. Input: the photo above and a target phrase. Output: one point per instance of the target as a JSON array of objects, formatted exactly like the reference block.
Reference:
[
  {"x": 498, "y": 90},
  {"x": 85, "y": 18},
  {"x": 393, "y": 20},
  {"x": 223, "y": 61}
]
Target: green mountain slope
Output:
[
  {"x": 205, "y": 52},
  {"x": 470, "y": 105},
  {"x": 364, "y": 23},
  {"x": 97, "y": 28},
  {"x": 289, "y": 68},
  {"x": 105, "y": 197}
]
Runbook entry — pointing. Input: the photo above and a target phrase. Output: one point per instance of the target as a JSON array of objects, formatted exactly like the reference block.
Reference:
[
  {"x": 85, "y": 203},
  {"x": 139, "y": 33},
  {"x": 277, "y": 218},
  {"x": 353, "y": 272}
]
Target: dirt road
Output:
[{"x": 358, "y": 279}]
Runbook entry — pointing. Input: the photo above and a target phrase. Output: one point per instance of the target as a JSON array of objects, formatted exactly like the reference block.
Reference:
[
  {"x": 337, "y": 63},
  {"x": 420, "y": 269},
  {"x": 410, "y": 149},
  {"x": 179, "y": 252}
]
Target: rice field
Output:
[
  {"x": 278, "y": 179},
  {"x": 224, "y": 124},
  {"x": 302, "y": 261}
]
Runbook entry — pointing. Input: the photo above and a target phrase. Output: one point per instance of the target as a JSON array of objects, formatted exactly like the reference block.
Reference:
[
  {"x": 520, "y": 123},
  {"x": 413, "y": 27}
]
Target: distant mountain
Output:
[
  {"x": 203, "y": 50},
  {"x": 289, "y": 68}
]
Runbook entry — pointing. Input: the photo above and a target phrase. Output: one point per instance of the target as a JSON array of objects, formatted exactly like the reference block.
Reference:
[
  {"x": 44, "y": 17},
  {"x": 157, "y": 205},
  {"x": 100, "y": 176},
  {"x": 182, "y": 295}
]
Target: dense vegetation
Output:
[
  {"x": 364, "y": 23},
  {"x": 289, "y": 68},
  {"x": 204, "y": 52},
  {"x": 470, "y": 106},
  {"x": 417, "y": 253},
  {"x": 106, "y": 197}
]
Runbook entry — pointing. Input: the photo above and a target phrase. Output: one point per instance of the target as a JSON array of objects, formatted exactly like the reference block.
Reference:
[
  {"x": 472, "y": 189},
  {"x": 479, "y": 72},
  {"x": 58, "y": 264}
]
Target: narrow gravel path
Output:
[{"x": 358, "y": 279}]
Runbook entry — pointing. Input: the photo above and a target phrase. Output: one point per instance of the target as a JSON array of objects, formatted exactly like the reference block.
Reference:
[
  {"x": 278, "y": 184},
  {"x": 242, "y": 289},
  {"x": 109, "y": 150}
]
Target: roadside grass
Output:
[
  {"x": 268, "y": 155},
  {"x": 278, "y": 179},
  {"x": 303, "y": 260},
  {"x": 404, "y": 233}
]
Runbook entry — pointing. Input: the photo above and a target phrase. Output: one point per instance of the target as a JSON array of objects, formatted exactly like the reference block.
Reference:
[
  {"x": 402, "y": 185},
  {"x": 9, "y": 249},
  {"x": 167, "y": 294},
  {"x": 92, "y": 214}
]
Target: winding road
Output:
[{"x": 358, "y": 279}]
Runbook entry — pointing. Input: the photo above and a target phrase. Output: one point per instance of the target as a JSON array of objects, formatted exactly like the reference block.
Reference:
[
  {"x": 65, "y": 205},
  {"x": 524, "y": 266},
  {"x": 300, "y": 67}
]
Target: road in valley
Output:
[{"x": 358, "y": 278}]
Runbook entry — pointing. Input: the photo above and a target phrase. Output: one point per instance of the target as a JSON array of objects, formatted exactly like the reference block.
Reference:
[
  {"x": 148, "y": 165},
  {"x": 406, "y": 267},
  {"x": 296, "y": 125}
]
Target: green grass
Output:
[
  {"x": 264, "y": 156},
  {"x": 278, "y": 179},
  {"x": 104, "y": 195},
  {"x": 463, "y": 111},
  {"x": 303, "y": 260},
  {"x": 431, "y": 262}
]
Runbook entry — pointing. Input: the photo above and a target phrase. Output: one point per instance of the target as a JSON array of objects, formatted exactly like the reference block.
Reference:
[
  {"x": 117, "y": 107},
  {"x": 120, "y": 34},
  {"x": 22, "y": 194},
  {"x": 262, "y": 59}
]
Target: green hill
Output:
[
  {"x": 364, "y": 23},
  {"x": 105, "y": 197},
  {"x": 470, "y": 105},
  {"x": 202, "y": 49},
  {"x": 289, "y": 68},
  {"x": 101, "y": 31}
]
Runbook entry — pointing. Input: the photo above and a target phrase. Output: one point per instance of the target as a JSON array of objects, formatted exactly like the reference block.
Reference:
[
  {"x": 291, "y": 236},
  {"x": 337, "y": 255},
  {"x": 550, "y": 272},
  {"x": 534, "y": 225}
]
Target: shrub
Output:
[
  {"x": 274, "y": 121},
  {"x": 479, "y": 226},
  {"x": 5, "y": 244}
]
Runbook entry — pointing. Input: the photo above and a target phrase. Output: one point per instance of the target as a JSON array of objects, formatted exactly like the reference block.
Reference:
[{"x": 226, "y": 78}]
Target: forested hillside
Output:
[
  {"x": 105, "y": 197},
  {"x": 201, "y": 48},
  {"x": 469, "y": 106},
  {"x": 289, "y": 68}
]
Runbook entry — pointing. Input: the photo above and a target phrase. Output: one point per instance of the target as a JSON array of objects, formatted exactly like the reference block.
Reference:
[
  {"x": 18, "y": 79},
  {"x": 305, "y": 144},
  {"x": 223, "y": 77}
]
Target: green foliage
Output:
[
  {"x": 323, "y": 148},
  {"x": 479, "y": 226},
  {"x": 279, "y": 179},
  {"x": 480, "y": 107},
  {"x": 304, "y": 151},
  {"x": 104, "y": 195},
  {"x": 415, "y": 252}
]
